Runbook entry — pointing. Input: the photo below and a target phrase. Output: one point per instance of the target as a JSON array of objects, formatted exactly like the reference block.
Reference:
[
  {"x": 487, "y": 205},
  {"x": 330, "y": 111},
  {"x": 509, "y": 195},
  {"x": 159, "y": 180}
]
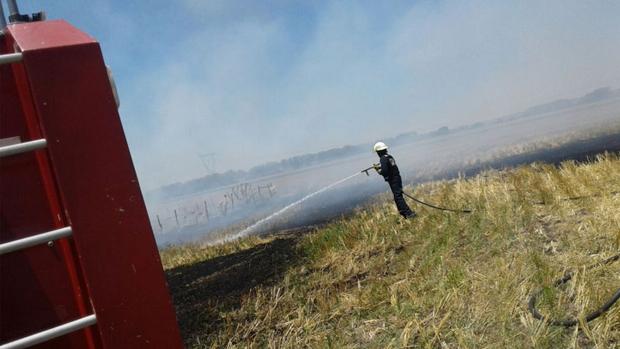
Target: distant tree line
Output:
[
  {"x": 294, "y": 163},
  {"x": 306, "y": 160}
]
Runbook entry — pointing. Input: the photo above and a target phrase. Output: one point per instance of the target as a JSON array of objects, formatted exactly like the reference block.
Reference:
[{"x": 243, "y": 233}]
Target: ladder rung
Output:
[
  {"x": 10, "y": 58},
  {"x": 38, "y": 239},
  {"x": 52, "y": 333},
  {"x": 22, "y": 147}
]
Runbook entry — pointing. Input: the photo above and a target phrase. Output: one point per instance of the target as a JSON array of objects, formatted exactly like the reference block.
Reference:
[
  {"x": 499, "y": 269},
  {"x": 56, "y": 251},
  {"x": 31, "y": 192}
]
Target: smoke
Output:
[
  {"x": 268, "y": 81},
  {"x": 261, "y": 81}
]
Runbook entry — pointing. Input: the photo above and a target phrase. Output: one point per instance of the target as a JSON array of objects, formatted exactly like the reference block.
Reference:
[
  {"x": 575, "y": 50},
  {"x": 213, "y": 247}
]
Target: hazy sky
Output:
[{"x": 255, "y": 81}]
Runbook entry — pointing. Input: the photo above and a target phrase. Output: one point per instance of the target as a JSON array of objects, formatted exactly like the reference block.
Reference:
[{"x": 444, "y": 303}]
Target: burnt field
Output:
[
  {"x": 341, "y": 202},
  {"x": 573, "y": 134},
  {"x": 294, "y": 285}
]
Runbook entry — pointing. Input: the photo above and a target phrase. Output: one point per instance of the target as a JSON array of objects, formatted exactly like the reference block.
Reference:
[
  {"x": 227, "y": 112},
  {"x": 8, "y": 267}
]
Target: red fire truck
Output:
[{"x": 79, "y": 267}]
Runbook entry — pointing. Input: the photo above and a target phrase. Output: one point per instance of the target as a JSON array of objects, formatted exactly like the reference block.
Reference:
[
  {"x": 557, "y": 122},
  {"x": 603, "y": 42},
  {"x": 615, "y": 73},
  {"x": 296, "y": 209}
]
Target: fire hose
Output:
[
  {"x": 572, "y": 322},
  {"x": 435, "y": 207},
  {"x": 420, "y": 201}
]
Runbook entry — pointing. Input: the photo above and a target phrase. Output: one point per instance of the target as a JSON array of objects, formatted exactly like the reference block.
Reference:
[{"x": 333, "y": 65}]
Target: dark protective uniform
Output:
[{"x": 390, "y": 172}]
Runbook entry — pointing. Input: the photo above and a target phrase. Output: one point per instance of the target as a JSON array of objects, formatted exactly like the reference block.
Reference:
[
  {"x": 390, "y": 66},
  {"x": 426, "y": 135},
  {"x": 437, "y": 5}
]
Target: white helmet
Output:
[{"x": 379, "y": 146}]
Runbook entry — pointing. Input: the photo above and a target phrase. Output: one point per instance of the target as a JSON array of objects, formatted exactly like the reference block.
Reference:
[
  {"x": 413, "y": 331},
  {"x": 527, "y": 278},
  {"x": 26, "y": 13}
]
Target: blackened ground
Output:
[
  {"x": 581, "y": 150},
  {"x": 203, "y": 290}
]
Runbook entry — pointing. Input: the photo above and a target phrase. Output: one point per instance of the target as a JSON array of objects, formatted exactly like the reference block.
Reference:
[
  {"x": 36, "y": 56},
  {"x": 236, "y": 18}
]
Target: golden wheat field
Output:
[{"x": 443, "y": 280}]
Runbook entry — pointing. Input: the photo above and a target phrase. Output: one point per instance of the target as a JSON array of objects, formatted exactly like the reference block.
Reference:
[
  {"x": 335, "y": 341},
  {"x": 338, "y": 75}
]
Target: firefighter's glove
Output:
[{"x": 377, "y": 168}]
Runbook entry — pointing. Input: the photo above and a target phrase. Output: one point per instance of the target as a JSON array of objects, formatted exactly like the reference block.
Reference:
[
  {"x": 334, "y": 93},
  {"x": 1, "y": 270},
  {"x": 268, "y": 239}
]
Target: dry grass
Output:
[
  {"x": 180, "y": 255},
  {"x": 443, "y": 280}
]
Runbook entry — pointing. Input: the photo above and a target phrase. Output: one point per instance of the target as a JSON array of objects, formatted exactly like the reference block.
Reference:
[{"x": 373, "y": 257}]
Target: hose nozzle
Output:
[{"x": 374, "y": 166}]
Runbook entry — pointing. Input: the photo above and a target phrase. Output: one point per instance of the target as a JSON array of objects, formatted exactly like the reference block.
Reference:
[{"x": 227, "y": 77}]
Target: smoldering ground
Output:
[{"x": 574, "y": 133}]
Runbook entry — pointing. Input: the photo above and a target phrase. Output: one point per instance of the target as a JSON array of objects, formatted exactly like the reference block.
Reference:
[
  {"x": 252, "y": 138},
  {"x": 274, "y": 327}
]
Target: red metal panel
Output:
[
  {"x": 49, "y": 34},
  {"x": 98, "y": 186},
  {"x": 36, "y": 290}
]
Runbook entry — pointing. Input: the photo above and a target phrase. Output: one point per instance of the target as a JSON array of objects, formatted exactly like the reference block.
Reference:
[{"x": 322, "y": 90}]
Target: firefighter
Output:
[{"x": 388, "y": 169}]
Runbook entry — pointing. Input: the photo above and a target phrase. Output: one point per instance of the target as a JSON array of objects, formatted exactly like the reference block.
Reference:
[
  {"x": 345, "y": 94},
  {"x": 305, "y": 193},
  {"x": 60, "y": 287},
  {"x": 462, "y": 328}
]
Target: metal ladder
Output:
[{"x": 42, "y": 238}]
